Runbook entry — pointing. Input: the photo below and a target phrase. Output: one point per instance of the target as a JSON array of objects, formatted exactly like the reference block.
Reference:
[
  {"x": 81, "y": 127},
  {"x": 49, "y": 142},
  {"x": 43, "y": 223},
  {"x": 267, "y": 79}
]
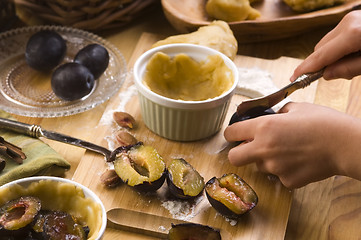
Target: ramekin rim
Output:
[{"x": 159, "y": 99}]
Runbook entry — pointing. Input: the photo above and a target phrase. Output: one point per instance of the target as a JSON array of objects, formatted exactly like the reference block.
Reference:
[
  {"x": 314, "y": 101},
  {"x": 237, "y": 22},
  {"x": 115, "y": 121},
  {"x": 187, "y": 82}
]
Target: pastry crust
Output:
[
  {"x": 216, "y": 35},
  {"x": 310, "y": 5},
  {"x": 231, "y": 10}
]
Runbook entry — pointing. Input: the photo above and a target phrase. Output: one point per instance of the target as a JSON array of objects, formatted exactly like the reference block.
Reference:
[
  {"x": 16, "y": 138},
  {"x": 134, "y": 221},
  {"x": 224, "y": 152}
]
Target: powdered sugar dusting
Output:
[{"x": 125, "y": 96}]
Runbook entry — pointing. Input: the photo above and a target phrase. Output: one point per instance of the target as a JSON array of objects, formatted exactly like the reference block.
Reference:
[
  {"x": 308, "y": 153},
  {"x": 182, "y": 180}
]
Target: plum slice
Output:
[
  {"x": 54, "y": 225},
  {"x": 193, "y": 231},
  {"x": 141, "y": 167},
  {"x": 18, "y": 213},
  {"x": 230, "y": 195},
  {"x": 183, "y": 180}
]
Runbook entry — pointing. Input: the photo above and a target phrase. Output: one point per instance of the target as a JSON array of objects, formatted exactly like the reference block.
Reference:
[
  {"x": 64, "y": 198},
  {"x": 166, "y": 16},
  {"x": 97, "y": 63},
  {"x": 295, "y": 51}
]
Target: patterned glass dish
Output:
[{"x": 27, "y": 92}]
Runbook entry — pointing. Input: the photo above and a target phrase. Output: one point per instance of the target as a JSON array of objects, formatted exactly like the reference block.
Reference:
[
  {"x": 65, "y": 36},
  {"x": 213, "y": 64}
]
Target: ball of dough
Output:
[{"x": 216, "y": 35}]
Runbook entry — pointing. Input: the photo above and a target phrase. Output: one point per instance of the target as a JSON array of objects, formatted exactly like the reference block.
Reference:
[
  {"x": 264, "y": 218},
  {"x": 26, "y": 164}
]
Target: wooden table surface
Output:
[{"x": 330, "y": 209}]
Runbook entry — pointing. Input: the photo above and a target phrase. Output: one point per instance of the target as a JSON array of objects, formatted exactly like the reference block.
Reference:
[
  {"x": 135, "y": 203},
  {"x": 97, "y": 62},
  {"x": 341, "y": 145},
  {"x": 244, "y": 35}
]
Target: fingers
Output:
[
  {"x": 243, "y": 154},
  {"x": 332, "y": 48},
  {"x": 329, "y": 53},
  {"x": 241, "y": 131},
  {"x": 287, "y": 107},
  {"x": 348, "y": 68}
]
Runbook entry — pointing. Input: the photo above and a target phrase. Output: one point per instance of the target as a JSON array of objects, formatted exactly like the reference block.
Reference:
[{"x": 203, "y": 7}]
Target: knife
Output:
[
  {"x": 36, "y": 131},
  {"x": 147, "y": 224},
  {"x": 247, "y": 107}
]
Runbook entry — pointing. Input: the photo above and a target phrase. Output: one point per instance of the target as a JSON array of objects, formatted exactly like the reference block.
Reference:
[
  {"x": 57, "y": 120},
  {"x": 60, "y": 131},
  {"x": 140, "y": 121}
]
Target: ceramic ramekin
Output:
[
  {"x": 61, "y": 194},
  {"x": 177, "y": 119}
]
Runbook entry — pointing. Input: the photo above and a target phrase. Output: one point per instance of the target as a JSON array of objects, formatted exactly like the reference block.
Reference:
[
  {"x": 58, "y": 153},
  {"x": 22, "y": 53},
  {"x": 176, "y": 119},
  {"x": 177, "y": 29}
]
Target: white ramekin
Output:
[{"x": 177, "y": 119}]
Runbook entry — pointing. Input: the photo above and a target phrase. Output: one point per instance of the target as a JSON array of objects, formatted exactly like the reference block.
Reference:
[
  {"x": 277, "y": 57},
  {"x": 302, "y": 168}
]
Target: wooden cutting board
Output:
[{"x": 267, "y": 221}]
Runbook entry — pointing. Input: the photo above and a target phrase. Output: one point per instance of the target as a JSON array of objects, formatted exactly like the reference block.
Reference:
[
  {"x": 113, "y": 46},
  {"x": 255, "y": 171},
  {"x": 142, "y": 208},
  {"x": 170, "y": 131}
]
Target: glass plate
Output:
[{"x": 26, "y": 92}]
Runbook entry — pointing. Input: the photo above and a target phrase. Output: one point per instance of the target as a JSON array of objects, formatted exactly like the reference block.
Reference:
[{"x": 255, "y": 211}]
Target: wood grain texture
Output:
[
  {"x": 319, "y": 209},
  {"x": 313, "y": 213},
  {"x": 277, "y": 19},
  {"x": 268, "y": 219}
]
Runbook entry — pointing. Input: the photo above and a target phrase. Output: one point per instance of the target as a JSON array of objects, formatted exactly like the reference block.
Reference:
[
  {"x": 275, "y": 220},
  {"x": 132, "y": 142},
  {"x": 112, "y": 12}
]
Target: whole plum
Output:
[
  {"x": 95, "y": 57},
  {"x": 72, "y": 81},
  {"x": 45, "y": 50}
]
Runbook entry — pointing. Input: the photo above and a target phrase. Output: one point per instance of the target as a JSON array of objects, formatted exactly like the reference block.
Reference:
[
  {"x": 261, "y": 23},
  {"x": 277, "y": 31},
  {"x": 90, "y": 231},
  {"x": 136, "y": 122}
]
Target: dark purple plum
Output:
[
  {"x": 45, "y": 50},
  {"x": 183, "y": 180},
  {"x": 72, "y": 81},
  {"x": 18, "y": 213},
  {"x": 253, "y": 113},
  {"x": 230, "y": 195},
  {"x": 140, "y": 166},
  {"x": 193, "y": 231},
  {"x": 58, "y": 225},
  {"x": 95, "y": 57}
]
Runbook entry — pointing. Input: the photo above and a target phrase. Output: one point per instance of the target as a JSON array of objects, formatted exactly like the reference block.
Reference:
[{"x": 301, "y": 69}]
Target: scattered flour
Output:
[
  {"x": 183, "y": 209},
  {"x": 107, "y": 118},
  {"x": 125, "y": 96},
  {"x": 232, "y": 222},
  {"x": 162, "y": 228},
  {"x": 255, "y": 82}
]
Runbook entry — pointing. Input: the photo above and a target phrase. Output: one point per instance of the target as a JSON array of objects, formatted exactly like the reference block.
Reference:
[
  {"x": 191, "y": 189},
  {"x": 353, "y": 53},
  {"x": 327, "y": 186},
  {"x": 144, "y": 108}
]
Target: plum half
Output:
[
  {"x": 141, "y": 167},
  {"x": 253, "y": 113},
  {"x": 183, "y": 180},
  {"x": 193, "y": 231},
  {"x": 230, "y": 195},
  {"x": 19, "y": 212},
  {"x": 58, "y": 225},
  {"x": 23, "y": 218}
]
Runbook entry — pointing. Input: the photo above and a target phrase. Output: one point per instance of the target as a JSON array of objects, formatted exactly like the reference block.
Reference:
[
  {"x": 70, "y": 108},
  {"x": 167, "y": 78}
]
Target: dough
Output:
[
  {"x": 310, "y": 5},
  {"x": 216, "y": 35},
  {"x": 182, "y": 78},
  {"x": 231, "y": 10}
]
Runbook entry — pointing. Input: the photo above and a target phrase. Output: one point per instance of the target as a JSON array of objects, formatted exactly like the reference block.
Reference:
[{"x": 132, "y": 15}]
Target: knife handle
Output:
[
  {"x": 301, "y": 82},
  {"x": 19, "y": 127},
  {"x": 306, "y": 79}
]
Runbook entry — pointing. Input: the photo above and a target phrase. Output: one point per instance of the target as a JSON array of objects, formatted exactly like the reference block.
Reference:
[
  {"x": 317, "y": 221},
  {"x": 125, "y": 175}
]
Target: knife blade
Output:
[
  {"x": 36, "y": 132},
  {"x": 147, "y": 224},
  {"x": 262, "y": 103}
]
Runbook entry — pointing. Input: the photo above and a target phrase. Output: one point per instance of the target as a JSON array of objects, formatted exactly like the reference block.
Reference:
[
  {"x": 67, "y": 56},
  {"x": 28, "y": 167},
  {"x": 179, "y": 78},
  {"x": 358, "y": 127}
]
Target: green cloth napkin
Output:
[{"x": 41, "y": 159}]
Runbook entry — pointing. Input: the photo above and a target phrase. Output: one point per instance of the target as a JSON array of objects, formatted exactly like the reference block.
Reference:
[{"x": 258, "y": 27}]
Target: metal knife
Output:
[
  {"x": 36, "y": 131},
  {"x": 266, "y": 102}
]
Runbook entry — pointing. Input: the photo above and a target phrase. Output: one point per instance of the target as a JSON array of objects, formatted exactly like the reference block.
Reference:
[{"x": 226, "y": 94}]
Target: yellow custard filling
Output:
[
  {"x": 182, "y": 78},
  {"x": 60, "y": 196}
]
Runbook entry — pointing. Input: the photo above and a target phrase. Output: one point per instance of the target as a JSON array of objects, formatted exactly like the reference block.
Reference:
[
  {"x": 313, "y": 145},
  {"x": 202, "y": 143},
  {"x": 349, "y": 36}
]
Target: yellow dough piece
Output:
[
  {"x": 231, "y": 10},
  {"x": 216, "y": 35},
  {"x": 310, "y": 5},
  {"x": 182, "y": 78}
]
